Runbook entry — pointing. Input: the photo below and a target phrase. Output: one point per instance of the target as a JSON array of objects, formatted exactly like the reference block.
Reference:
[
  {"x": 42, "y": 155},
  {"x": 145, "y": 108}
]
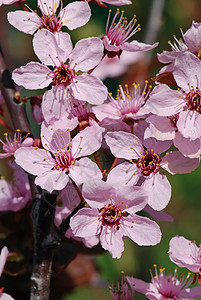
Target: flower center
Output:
[
  {"x": 119, "y": 32},
  {"x": 51, "y": 22},
  {"x": 149, "y": 163},
  {"x": 63, "y": 75},
  {"x": 63, "y": 160},
  {"x": 193, "y": 100},
  {"x": 174, "y": 119},
  {"x": 111, "y": 215}
]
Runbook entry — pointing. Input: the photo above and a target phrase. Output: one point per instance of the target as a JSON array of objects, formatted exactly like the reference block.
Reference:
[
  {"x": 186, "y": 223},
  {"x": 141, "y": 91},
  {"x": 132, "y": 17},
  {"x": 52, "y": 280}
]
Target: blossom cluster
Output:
[{"x": 146, "y": 131}]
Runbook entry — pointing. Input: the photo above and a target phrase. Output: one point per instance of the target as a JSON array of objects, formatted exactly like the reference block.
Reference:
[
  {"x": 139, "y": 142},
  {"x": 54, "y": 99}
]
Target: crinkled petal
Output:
[
  {"x": 34, "y": 160},
  {"x": 118, "y": 2},
  {"x": 27, "y": 22},
  {"x": 90, "y": 89},
  {"x": 141, "y": 230},
  {"x": 33, "y": 76},
  {"x": 76, "y": 14},
  {"x": 184, "y": 253},
  {"x": 136, "y": 46},
  {"x": 112, "y": 241},
  {"x": 125, "y": 173},
  {"x": 164, "y": 102},
  {"x": 187, "y": 71},
  {"x": 176, "y": 163},
  {"x": 192, "y": 37},
  {"x": 123, "y": 144},
  {"x": 52, "y": 180},
  {"x": 85, "y": 222},
  {"x": 89, "y": 140},
  {"x": 97, "y": 192},
  {"x": 188, "y": 147},
  {"x": 189, "y": 124},
  {"x": 88, "y": 59},
  {"x": 52, "y": 49},
  {"x": 159, "y": 191},
  {"x": 83, "y": 170}
]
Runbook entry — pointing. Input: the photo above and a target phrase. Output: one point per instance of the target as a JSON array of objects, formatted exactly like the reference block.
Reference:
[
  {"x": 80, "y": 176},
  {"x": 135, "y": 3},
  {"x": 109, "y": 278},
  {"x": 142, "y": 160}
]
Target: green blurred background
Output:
[{"x": 185, "y": 204}]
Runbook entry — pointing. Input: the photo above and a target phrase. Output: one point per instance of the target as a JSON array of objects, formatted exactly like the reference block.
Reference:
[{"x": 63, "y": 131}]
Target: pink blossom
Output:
[
  {"x": 165, "y": 128},
  {"x": 66, "y": 78},
  {"x": 122, "y": 290},
  {"x": 74, "y": 15},
  {"x": 128, "y": 105},
  {"x": 112, "y": 216},
  {"x": 11, "y": 145},
  {"x": 186, "y": 102},
  {"x": 54, "y": 164},
  {"x": 15, "y": 195},
  {"x": 119, "y": 32},
  {"x": 185, "y": 254},
  {"x": 164, "y": 287},
  {"x": 144, "y": 165},
  {"x": 191, "y": 42}
]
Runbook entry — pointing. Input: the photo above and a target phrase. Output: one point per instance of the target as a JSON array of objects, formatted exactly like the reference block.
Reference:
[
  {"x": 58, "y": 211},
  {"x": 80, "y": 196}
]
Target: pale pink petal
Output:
[
  {"x": 139, "y": 285},
  {"x": 157, "y": 146},
  {"x": 76, "y": 14},
  {"x": 28, "y": 142},
  {"x": 47, "y": 48},
  {"x": 192, "y": 37},
  {"x": 85, "y": 222},
  {"x": 125, "y": 173},
  {"x": 193, "y": 293},
  {"x": 64, "y": 123},
  {"x": 97, "y": 193},
  {"x": 33, "y": 76},
  {"x": 161, "y": 127},
  {"x": 52, "y": 180},
  {"x": 3, "y": 258},
  {"x": 83, "y": 170},
  {"x": 185, "y": 253},
  {"x": 141, "y": 230},
  {"x": 118, "y": 2},
  {"x": 89, "y": 140},
  {"x": 137, "y": 46},
  {"x": 131, "y": 198},
  {"x": 27, "y": 22},
  {"x": 123, "y": 144},
  {"x": 90, "y": 89},
  {"x": 108, "y": 46},
  {"x": 188, "y": 147},
  {"x": 158, "y": 215},
  {"x": 189, "y": 124},
  {"x": 111, "y": 240},
  {"x": 159, "y": 191},
  {"x": 106, "y": 111},
  {"x": 34, "y": 161},
  {"x": 48, "y": 7},
  {"x": 187, "y": 71},
  {"x": 176, "y": 163},
  {"x": 88, "y": 59},
  {"x": 70, "y": 197},
  {"x": 54, "y": 104},
  {"x": 167, "y": 56},
  {"x": 164, "y": 102}
]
